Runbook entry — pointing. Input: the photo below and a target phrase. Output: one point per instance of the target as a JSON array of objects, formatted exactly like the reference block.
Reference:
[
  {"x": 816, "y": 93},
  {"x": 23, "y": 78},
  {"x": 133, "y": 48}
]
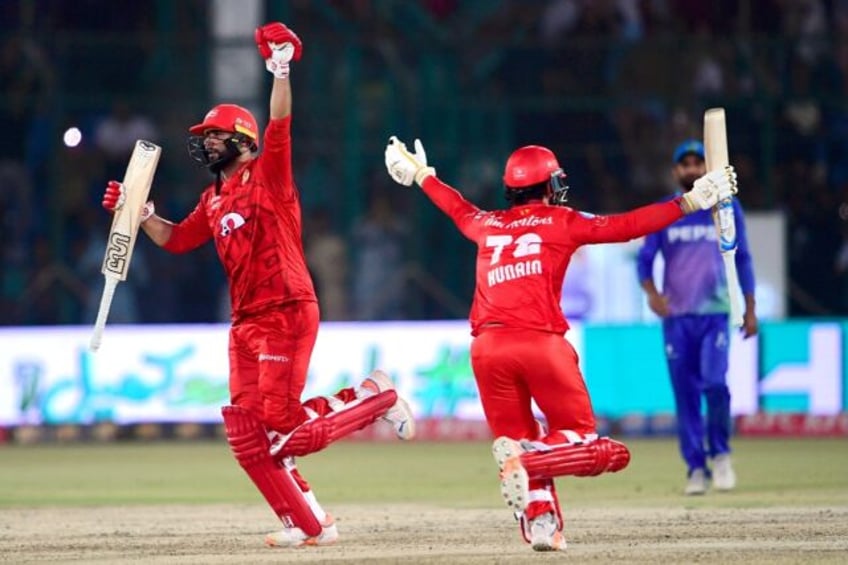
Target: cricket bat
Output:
[
  {"x": 715, "y": 147},
  {"x": 122, "y": 235}
]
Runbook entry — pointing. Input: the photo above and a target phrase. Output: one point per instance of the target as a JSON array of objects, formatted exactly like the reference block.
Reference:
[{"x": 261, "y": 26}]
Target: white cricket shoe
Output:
[
  {"x": 294, "y": 537},
  {"x": 545, "y": 534},
  {"x": 515, "y": 487},
  {"x": 399, "y": 415},
  {"x": 697, "y": 483},
  {"x": 723, "y": 476}
]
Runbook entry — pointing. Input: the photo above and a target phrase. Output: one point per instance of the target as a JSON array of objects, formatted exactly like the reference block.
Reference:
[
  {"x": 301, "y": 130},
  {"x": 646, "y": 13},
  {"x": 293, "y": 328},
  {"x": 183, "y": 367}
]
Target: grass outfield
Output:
[{"x": 772, "y": 472}]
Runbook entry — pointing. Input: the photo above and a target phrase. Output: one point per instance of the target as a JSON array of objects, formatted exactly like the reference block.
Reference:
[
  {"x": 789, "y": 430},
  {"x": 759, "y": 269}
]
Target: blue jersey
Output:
[{"x": 694, "y": 281}]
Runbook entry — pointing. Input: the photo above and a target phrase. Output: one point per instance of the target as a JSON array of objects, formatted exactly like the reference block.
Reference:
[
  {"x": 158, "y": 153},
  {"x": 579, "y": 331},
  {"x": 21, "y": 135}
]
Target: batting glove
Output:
[
  {"x": 114, "y": 197},
  {"x": 709, "y": 190},
  {"x": 147, "y": 211},
  {"x": 278, "y": 45},
  {"x": 405, "y": 167}
]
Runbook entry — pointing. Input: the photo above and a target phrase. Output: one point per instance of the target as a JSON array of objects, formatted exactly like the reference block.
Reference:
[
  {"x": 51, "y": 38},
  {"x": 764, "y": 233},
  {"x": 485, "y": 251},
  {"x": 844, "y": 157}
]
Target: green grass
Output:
[{"x": 785, "y": 472}]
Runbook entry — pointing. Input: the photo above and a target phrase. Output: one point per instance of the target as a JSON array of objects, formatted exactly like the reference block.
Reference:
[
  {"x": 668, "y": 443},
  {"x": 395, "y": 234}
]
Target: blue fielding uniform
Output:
[{"x": 696, "y": 332}]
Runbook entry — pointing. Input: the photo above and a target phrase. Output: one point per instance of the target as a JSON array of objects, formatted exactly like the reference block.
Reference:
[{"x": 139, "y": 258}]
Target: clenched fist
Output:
[
  {"x": 278, "y": 45},
  {"x": 116, "y": 195}
]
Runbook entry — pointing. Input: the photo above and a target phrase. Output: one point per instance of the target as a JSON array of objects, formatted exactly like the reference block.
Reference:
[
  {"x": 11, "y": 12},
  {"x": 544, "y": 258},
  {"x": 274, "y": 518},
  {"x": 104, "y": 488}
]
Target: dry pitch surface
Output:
[{"x": 422, "y": 534}]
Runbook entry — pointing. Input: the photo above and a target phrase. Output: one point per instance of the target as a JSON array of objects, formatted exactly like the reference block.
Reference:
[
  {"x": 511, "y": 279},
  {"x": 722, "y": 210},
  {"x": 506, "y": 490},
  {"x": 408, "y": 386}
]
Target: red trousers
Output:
[
  {"x": 513, "y": 366},
  {"x": 269, "y": 360}
]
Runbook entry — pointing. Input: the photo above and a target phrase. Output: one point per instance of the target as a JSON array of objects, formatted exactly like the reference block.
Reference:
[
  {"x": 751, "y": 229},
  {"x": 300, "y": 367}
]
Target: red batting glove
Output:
[
  {"x": 276, "y": 33},
  {"x": 114, "y": 197}
]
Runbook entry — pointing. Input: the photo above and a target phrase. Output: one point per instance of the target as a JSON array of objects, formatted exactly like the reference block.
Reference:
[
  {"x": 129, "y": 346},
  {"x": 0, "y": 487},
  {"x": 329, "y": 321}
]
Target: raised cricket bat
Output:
[
  {"x": 715, "y": 146},
  {"x": 122, "y": 235}
]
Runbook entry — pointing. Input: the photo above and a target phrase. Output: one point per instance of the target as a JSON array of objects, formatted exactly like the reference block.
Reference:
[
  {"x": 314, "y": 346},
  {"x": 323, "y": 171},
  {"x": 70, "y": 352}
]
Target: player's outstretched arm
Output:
[
  {"x": 279, "y": 46},
  {"x": 407, "y": 168}
]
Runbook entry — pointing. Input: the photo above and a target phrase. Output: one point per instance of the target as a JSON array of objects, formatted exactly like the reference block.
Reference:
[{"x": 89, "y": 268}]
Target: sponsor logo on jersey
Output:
[
  {"x": 273, "y": 358},
  {"x": 231, "y": 222},
  {"x": 514, "y": 271},
  {"x": 692, "y": 234},
  {"x": 529, "y": 221}
]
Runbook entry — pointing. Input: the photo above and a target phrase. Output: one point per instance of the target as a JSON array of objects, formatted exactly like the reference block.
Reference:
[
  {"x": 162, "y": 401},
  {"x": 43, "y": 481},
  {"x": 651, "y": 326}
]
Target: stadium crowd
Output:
[{"x": 609, "y": 85}]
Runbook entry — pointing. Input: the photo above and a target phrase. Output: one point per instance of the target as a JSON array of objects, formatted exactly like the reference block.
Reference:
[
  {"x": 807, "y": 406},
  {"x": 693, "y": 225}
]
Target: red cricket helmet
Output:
[
  {"x": 532, "y": 165},
  {"x": 529, "y": 165},
  {"x": 229, "y": 117}
]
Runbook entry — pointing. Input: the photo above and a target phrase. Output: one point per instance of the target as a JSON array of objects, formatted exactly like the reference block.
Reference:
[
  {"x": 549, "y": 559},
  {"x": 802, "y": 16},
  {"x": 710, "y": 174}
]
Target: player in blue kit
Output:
[{"x": 694, "y": 307}]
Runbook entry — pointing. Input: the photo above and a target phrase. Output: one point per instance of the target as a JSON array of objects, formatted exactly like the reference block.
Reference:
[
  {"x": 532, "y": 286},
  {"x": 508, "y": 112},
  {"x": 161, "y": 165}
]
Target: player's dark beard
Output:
[{"x": 231, "y": 152}]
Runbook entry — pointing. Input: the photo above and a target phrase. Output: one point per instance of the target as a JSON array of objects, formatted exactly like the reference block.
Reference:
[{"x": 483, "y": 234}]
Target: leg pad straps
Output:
[
  {"x": 603, "y": 455},
  {"x": 317, "y": 433},
  {"x": 250, "y": 445}
]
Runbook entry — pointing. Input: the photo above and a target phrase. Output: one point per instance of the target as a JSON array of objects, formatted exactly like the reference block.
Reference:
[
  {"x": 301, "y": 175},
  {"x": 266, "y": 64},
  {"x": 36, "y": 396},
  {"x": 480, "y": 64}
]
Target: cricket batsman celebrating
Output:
[
  {"x": 519, "y": 353},
  {"x": 252, "y": 213}
]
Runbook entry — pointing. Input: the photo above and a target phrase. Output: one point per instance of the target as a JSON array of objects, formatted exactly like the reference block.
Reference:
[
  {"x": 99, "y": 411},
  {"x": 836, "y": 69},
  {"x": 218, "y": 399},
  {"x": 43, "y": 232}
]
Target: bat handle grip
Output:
[
  {"x": 111, "y": 283},
  {"x": 733, "y": 289}
]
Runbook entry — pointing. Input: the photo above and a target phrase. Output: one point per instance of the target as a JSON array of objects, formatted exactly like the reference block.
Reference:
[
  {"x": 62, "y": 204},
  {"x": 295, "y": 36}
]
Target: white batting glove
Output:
[
  {"x": 147, "y": 211},
  {"x": 279, "y": 46},
  {"x": 281, "y": 55},
  {"x": 405, "y": 167},
  {"x": 710, "y": 189}
]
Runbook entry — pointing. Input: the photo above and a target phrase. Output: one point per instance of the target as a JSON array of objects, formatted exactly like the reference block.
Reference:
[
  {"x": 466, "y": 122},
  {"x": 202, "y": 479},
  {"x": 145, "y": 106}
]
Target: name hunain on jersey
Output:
[{"x": 505, "y": 273}]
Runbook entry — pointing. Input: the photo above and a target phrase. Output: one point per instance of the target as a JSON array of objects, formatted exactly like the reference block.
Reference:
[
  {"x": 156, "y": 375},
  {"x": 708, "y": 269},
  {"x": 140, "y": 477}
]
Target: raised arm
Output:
[
  {"x": 281, "y": 99},
  {"x": 279, "y": 46}
]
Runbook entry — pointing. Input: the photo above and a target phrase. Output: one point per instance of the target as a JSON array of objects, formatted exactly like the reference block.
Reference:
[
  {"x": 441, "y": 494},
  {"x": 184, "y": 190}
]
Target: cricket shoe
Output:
[
  {"x": 294, "y": 537},
  {"x": 545, "y": 534},
  {"x": 724, "y": 478},
  {"x": 697, "y": 483},
  {"x": 515, "y": 483},
  {"x": 399, "y": 415}
]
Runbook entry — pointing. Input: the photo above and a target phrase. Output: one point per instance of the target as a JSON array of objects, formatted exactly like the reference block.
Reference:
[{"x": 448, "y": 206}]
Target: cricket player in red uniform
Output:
[
  {"x": 519, "y": 353},
  {"x": 252, "y": 213}
]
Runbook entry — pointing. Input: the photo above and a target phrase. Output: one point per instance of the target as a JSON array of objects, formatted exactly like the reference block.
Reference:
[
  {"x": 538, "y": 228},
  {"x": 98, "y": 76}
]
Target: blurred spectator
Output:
[
  {"x": 116, "y": 134},
  {"x": 440, "y": 9},
  {"x": 51, "y": 289},
  {"x": 26, "y": 77},
  {"x": 378, "y": 276},
  {"x": 806, "y": 22},
  {"x": 800, "y": 120},
  {"x": 609, "y": 83},
  {"x": 125, "y": 305},
  {"x": 841, "y": 269},
  {"x": 813, "y": 239},
  {"x": 326, "y": 254},
  {"x": 16, "y": 223}
]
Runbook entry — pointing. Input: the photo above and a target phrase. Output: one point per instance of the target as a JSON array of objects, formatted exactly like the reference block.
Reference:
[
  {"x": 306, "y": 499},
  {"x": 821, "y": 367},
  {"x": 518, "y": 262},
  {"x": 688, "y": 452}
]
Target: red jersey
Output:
[
  {"x": 256, "y": 224},
  {"x": 523, "y": 253}
]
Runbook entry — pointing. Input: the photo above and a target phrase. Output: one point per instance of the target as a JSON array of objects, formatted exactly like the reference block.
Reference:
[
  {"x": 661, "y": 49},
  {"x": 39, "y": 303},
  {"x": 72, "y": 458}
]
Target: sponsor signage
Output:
[{"x": 178, "y": 373}]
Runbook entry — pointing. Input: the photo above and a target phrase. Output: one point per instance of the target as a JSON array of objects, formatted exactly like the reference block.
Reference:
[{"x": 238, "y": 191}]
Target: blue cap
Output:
[{"x": 688, "y": 147}]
